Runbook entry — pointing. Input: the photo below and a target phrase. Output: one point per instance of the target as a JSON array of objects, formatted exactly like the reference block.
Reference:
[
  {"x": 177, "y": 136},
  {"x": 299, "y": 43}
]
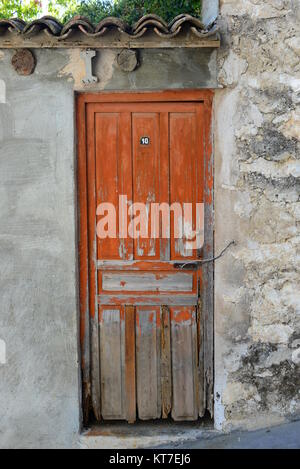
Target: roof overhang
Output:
[{"x": 151, "y": 31}]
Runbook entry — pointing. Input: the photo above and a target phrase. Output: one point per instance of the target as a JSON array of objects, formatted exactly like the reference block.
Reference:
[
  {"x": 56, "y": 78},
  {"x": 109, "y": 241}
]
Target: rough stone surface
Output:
[{"x": 257, "y": 132}]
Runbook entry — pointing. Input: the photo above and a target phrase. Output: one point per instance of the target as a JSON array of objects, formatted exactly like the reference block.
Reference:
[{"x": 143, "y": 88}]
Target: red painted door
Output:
[{"x": 144, "y": 161}]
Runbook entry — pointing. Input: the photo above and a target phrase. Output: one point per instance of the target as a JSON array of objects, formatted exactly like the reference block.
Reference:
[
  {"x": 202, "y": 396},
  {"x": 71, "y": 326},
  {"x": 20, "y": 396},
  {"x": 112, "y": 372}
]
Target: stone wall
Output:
[{"x": 257, "y": 294}]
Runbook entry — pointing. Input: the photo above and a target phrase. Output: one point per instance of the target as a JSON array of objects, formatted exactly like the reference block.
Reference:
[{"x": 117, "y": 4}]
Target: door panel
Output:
[
  {"x": 113, "y": 177},
  {"x": 148, "y": 331},
  {"x": 146, "y": 177},
  {"x": 107, "y": 163},
  {"x": 184, "y": 363},
  {"x": 112, "y": 359},
  {"x": 148, "y": 362},
  {"x": 171, "y": 282},
  {"x": 183, "y": 169}
]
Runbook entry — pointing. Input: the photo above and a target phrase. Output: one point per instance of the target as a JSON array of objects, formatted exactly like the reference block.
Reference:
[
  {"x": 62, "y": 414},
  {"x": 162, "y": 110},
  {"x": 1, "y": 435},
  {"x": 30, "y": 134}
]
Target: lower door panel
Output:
[{"x": 150, "y": 363}]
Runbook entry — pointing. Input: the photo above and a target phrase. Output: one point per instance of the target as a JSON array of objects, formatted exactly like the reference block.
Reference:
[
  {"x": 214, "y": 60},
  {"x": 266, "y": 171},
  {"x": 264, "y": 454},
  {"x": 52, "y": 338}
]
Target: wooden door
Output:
[{"x": 142, "y": 327}]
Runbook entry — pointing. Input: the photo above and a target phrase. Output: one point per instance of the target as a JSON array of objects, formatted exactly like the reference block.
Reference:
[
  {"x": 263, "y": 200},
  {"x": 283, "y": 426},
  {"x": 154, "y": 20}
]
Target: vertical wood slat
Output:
[
  {"x": 184, "y": 363},
  {"x": 148, "y": 362},
  {"x": 183, "y": 176},
  {"x": 83, "y": 258},
  {"x": 112, "y": 357},
  {"x": 200, "y": 356},
  {"x": 165, "y": 365},
  {"x": 145, "y": 161},
  {"x": 93, "y": 309},
  {"x": 164, "y": 180},
  {"x": 207, "y": 290},
  {"x": 130, "y": 381}
]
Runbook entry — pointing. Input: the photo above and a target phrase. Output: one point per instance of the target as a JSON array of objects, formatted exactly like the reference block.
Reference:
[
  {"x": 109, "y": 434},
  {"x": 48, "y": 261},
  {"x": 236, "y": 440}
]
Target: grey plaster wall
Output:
[
  {"x": 159, "y": 69},
  {"x": 39, "y": 387}
]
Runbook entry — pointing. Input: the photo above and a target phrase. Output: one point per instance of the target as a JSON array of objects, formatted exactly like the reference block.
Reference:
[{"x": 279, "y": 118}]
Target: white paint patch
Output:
[
  {"x": 219, "y": 413},
  {"x": 273, "y": 333},
  {"x": 2, "y": 352},
  {"x": 234, "y": 67},
  {"x": 290, "y": 81},
  {"x": 221, "y": 375},
  {"x": 272, "y": 169},
  {"x": 2, "y": 92},
  {"x": 225, "y": 138}
]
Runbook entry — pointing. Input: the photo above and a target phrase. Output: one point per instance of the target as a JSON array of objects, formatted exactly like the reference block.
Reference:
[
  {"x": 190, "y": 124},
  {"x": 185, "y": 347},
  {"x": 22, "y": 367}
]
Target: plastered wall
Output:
[{"x": 39, "y": 388}]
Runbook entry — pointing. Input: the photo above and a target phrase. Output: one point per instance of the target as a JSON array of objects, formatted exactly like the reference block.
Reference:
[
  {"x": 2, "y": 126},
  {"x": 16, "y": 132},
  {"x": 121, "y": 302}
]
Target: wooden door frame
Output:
[{"x": 84, "y": 250}]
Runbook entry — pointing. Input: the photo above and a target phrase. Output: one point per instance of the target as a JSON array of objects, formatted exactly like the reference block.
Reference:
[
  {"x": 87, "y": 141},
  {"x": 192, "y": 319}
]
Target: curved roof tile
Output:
[{"x": 52, "y": 27}]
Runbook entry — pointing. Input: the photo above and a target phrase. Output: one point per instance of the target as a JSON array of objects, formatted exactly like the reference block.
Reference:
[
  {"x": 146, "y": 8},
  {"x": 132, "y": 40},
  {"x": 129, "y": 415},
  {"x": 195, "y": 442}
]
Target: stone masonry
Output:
[{"x": 257, "y": 286}]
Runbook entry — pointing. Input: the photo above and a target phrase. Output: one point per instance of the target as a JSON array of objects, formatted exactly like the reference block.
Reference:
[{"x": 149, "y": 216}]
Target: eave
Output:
[{"x": 150, "y": 31}]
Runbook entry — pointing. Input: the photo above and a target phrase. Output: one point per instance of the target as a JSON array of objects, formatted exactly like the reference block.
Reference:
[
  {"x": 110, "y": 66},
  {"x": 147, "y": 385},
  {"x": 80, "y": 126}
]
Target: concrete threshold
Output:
[{"x": 120, "y": 435}]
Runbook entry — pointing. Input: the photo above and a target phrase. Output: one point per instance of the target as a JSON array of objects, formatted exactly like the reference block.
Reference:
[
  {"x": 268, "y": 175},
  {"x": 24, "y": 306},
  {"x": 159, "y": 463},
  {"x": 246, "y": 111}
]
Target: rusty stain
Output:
[
  {"x": 183, "y": 315},
  {"x": 159, "y": 276},
  {"x": 151, "y": 317}
]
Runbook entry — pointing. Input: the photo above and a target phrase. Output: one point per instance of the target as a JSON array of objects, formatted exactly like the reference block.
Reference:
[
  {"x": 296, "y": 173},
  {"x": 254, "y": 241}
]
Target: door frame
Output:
[{"x": 86, "y": 307}]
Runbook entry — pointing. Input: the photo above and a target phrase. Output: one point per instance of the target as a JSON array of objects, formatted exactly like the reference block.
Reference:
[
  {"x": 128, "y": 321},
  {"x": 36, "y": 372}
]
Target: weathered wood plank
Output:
[
  {"x": 207, "y": 289},
  {"x": 112, "y": 351},
  {"x": 95, "y": 368},
  {"x": 183, "y": 335},
  {"x": 165, "y": 363},
  {"x": 200, "y": 355},
  {"x": 93, "y": 307},
  {"x": 130, "y": 382},
  {"x": 143, "y": 265},
  {"x": 148, "y": 362},
  {"x": 148, "y": 282},
  {"x": 147, "y": 300},
  {"x": 83, "y": 260},
  {"x": 164, "y": 182},
  {"x": 78, "y": 41}
]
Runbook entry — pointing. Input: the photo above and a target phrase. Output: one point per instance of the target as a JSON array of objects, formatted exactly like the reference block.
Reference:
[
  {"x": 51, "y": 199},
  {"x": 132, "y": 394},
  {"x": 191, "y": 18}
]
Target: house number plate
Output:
[{"x": 145, "y": 141}]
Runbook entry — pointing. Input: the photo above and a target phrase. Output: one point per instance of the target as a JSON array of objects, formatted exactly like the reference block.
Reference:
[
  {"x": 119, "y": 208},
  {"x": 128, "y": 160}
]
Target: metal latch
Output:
[
  {"x": 186, "y": 265},
  {"x": 194, "y": 265}
]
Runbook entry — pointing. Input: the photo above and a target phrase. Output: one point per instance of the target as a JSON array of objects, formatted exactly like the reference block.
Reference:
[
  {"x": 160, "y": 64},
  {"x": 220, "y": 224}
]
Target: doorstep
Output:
[{"x": 121, "y": 435}]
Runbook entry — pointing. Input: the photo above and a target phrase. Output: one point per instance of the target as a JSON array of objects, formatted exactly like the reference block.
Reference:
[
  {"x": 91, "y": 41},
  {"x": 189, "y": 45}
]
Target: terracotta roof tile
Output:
[{"x": 52, "y": 27}]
